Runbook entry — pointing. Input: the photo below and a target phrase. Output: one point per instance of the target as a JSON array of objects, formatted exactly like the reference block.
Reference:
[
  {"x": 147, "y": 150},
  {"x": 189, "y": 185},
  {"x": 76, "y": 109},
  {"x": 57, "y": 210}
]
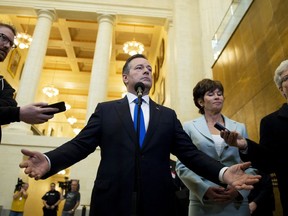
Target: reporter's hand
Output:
[
  {"x": 252, "y": 207},
  {"x": 35, "y": 113},
  {"x": 216, "y": 194},
  {"x": 237, "y": 178},
  {"x": 233, "y": 138},
  {"x": 36, "y": 165},
  {"x": 232, "y": 193}
]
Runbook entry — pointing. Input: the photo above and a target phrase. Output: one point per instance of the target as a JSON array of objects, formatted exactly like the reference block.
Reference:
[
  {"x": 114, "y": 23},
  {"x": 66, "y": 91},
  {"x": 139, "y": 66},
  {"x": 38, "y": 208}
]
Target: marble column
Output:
[
  {"x": 33, "y": 65},
  {"x": 101, "y": 62},
  {"x": 170, "y": 85},
  {"x": 187, "y": 56}
]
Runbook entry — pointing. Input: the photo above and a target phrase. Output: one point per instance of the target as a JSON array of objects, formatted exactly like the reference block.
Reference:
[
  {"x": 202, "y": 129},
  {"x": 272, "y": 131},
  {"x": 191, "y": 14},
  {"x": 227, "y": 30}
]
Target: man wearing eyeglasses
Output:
[
  {"x": 9, "y": 112},
  {"x": 7, "y": 34}
]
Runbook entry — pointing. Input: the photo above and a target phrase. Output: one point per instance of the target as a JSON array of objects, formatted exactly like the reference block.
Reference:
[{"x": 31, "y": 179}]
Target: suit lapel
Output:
[
  {"x": 230, "y": 124},
  {"x": 201, "y": 126},
  {"x": 123, "y": 110},
  {"x": 155, "y": 113}
]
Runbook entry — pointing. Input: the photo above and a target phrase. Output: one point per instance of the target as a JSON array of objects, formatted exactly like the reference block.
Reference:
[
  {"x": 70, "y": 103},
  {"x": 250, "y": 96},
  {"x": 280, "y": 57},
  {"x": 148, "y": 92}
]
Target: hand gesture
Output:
[
  {"x": 233, "y": 138},
  {"x": 35, "y": 113},
  {"x": 36, "y": 165},
  {"x": 232, "y": 193},
  {"x": 236, "y": 177},
  {"x": 216, "y": 194}
]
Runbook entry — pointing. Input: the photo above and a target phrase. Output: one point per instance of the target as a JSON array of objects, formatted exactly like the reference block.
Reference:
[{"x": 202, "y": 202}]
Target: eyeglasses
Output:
[
  {"x": 284, "y": 79},
  {"x": 5, "y": 39}
]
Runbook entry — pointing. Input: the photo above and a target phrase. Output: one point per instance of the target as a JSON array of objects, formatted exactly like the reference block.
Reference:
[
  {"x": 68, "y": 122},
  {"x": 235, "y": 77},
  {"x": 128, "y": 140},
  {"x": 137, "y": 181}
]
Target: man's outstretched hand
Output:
[
  {"x": 236, "y": 177},
  {"x": 36, "y": 165}
]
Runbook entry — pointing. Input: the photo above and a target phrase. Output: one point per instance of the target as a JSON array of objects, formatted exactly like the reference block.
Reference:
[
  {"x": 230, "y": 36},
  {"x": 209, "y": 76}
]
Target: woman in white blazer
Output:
[{"x": 207, "y": 198}]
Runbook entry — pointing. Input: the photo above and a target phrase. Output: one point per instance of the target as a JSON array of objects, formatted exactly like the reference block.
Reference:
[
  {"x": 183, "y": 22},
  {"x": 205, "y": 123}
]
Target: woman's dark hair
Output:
[{"x": 205, "y": 85}]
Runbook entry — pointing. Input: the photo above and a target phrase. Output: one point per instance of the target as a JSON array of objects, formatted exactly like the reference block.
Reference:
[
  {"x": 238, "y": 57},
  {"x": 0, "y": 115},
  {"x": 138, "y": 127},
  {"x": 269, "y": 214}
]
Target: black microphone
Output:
[{"x": 139, "y": 88}]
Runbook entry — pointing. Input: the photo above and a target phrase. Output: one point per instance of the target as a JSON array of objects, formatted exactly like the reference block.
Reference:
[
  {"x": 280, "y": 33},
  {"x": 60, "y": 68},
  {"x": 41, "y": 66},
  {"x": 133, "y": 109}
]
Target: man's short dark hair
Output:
[
  {"x": 126, "y": 67},
  {"x": 12, "y": 28}
]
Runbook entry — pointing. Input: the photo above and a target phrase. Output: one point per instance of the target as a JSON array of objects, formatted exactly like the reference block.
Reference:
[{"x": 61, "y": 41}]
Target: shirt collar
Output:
[{"x": 131, "y": 97}]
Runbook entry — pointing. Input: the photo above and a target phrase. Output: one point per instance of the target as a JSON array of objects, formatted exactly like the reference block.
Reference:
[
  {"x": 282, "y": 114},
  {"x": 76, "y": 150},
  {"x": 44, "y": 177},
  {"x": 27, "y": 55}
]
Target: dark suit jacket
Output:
[
  {"x": 111, "y": 128},
  {"x": 263, "y": 196},
  {"x": 8, "y": 115},
  {"x": 6, "y": 94},
  {"x": 271, "y": 154},
  {"x": 9, "y": 112}
]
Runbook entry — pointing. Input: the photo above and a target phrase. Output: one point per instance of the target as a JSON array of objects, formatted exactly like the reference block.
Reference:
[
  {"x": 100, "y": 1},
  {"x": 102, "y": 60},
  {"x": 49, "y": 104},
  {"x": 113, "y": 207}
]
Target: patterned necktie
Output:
[{"x": 142, "y": 130}]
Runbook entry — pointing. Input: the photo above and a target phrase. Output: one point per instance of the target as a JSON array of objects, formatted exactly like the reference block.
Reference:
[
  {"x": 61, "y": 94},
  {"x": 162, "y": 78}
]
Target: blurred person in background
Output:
[
  {"x": 19, "y": 199},
  {"x": 72, "y": 199},
  {"x": 51, "y": 200}
]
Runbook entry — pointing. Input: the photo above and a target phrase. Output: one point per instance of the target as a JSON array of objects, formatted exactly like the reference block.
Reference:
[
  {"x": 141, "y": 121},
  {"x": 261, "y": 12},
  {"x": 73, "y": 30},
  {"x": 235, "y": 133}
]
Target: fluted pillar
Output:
[
  {"x": 101, "y": 62},
  {"x": 33, "y": 64}
]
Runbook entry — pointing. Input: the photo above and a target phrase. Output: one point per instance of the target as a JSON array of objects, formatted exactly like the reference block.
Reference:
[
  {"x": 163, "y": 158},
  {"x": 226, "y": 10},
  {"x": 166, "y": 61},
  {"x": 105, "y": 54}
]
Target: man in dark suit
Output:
[
  {"x": 270, "y": 155},
  {"x": 125, "y": 168}
]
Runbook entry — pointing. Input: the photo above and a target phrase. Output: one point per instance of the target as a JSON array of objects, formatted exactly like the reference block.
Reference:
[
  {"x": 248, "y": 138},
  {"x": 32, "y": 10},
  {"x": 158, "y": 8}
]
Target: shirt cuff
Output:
[
  {"x": 221, "y": 174},
  {"x": 49, "y": 162}
]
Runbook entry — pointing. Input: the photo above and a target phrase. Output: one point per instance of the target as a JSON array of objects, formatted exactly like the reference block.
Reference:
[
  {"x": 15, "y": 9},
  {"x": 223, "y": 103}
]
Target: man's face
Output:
[
  {"x": 140, "y": 71},
  {"x": 284, "y": 85},
  {"x": 52, "y": 187},
  {"x": 74, "y": 185},
  {"x": 7, "y": 37},
  {"x": 25, "y": 186}
]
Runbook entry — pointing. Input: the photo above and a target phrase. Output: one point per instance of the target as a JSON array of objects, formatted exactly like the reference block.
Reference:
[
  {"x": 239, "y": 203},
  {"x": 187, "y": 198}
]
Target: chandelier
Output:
[
  {"x": 50, "y": 91},
  {"x": 67, "y": 106},
  {"x": 23, "y": 40},
  {"x": 62, "y": 172},
  {"x": 133, "y": 47},
  {"x": 76, "y": 130},
  {"x": 72, "y": 120}
]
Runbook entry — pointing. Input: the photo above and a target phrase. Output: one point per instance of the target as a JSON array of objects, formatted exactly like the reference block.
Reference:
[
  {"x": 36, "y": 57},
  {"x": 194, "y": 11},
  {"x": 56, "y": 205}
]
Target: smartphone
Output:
[
  {"x": 220, "y": 127},
  {"x": 60, "y": 105}
]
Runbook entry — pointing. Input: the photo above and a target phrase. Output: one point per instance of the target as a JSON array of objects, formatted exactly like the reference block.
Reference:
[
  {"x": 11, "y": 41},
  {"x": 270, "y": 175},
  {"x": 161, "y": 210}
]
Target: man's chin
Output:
[{"x": 147, "y": 83}]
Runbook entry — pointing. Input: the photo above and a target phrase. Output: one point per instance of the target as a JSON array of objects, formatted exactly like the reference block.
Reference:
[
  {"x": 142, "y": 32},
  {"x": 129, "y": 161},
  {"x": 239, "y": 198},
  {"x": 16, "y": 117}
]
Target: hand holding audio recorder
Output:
[
  {"x": 220, "y": 127},
  {"x": 60, "y": 106}
]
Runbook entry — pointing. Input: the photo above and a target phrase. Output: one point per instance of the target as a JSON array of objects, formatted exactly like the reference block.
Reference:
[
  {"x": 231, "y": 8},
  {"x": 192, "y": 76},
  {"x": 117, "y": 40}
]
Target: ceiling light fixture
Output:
[
  {"x": 23, "y": 40},
  {"x": 72, "y": 120},
  {"x": 76, "y": 130},
  {"x": 62, "y": 172},
  {"x": 50, "y": 91},
  {"x": 68, "y": 106},
  {"x": 133, "y": 47}
]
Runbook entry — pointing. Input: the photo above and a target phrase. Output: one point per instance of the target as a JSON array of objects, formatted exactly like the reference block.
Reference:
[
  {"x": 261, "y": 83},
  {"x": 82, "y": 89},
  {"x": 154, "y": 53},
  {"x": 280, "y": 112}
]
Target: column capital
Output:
[
  {"x": 48, "y": 13},
  {"x": 106, "y": 18},
  {"x": 168, "y": 23}
]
